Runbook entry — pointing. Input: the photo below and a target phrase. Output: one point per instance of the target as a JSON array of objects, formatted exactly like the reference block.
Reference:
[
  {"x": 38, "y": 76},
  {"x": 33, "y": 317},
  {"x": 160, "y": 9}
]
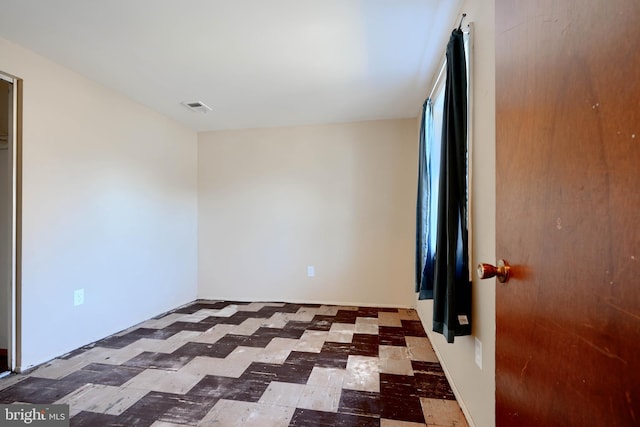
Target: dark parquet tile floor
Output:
[{"x": 221, "y": 363}]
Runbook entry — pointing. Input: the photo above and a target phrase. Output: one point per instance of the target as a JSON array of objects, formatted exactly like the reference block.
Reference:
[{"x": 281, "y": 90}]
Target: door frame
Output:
[{"x": 14, "y": 353}]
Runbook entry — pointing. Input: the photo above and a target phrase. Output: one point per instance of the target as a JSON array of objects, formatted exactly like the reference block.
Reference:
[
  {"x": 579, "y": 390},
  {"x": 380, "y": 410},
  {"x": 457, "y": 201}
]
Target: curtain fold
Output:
[
  {"x": 424, "y": 254},
  {"x": 445, "y": 269}
]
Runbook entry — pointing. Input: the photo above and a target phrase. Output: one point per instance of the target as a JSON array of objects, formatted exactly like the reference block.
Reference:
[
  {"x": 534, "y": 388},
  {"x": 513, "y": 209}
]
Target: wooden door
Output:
[{"x": 568, "y": 212}]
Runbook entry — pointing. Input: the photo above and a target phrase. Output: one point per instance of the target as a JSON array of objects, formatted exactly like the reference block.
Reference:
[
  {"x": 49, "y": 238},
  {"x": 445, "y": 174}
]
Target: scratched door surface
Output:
[{"x": 568, "y": 212}]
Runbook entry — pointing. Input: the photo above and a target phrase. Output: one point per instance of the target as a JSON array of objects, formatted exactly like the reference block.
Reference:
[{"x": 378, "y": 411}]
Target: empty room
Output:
[{"x": 319, "y": 213}]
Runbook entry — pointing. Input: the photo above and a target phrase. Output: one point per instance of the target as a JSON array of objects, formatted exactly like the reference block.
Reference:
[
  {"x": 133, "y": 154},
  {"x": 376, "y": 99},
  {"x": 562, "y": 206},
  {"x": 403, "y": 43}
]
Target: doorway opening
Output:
[{"x": 10, "y": 180}]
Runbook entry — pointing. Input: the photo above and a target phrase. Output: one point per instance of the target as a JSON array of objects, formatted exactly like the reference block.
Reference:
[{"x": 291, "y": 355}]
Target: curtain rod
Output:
[
  {"x": 437, "y": 82},
  {"x": 464, "y": 15},
  {"x": 444, "y": 62}
]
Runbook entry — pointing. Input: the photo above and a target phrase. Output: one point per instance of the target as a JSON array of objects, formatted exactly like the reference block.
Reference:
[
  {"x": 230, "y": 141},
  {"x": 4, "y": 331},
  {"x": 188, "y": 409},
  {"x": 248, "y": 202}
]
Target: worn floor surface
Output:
[{"x": 228, "y": 364}]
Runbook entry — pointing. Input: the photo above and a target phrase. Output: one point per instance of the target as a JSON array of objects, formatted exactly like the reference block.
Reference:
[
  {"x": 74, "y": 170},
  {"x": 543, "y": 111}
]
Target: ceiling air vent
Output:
[{"x": 197, "y": 106}]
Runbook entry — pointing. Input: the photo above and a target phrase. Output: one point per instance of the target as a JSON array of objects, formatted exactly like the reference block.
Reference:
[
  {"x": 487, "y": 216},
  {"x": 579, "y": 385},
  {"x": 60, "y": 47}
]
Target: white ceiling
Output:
[{"x": 257, "y": 63}]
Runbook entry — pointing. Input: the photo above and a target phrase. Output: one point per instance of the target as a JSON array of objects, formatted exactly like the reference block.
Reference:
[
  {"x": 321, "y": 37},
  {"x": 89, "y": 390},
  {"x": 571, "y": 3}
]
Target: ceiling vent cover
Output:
[{"x": 197, "y": 106}]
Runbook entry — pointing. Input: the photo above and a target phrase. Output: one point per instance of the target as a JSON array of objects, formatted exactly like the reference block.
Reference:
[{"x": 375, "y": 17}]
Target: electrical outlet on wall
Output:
[
  {"x": 479, "y": 353},
  {"x": 78, "y": 297},
  {"x": 311, "y": 271}
]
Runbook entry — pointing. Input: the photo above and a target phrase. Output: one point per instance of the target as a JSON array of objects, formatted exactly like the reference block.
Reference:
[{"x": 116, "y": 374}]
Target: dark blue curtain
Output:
[
  {"x": 428, "y": 192},
  {"x": 424, "y": 243},
  {"x": 445, "y": 272}
]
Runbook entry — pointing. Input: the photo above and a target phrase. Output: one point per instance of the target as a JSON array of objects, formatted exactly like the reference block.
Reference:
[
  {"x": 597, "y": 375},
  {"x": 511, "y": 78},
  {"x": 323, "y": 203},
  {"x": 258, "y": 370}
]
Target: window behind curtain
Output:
[
  {"x": 430, "y": 152},
  {"x": 434, "y": 144},
  {"x": 434, "y": 148}
]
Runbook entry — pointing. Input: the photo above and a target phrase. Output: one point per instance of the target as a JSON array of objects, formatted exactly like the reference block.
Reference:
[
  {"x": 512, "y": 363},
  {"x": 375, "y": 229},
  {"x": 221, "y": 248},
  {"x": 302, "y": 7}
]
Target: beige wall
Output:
[
  {"x": 475, "y": 387},
  {"x": 339, "y": 197},
  {"x": 109, "y": 206}
]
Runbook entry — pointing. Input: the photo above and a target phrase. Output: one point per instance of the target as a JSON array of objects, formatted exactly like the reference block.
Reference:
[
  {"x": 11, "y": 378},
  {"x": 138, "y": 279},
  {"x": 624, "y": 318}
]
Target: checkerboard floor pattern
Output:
[{"x": 223, "y": 363}]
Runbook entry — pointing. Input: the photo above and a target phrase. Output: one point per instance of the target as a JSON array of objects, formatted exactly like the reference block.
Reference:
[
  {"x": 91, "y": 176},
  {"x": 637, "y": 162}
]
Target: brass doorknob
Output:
[{"x": 501, "y": 271}]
